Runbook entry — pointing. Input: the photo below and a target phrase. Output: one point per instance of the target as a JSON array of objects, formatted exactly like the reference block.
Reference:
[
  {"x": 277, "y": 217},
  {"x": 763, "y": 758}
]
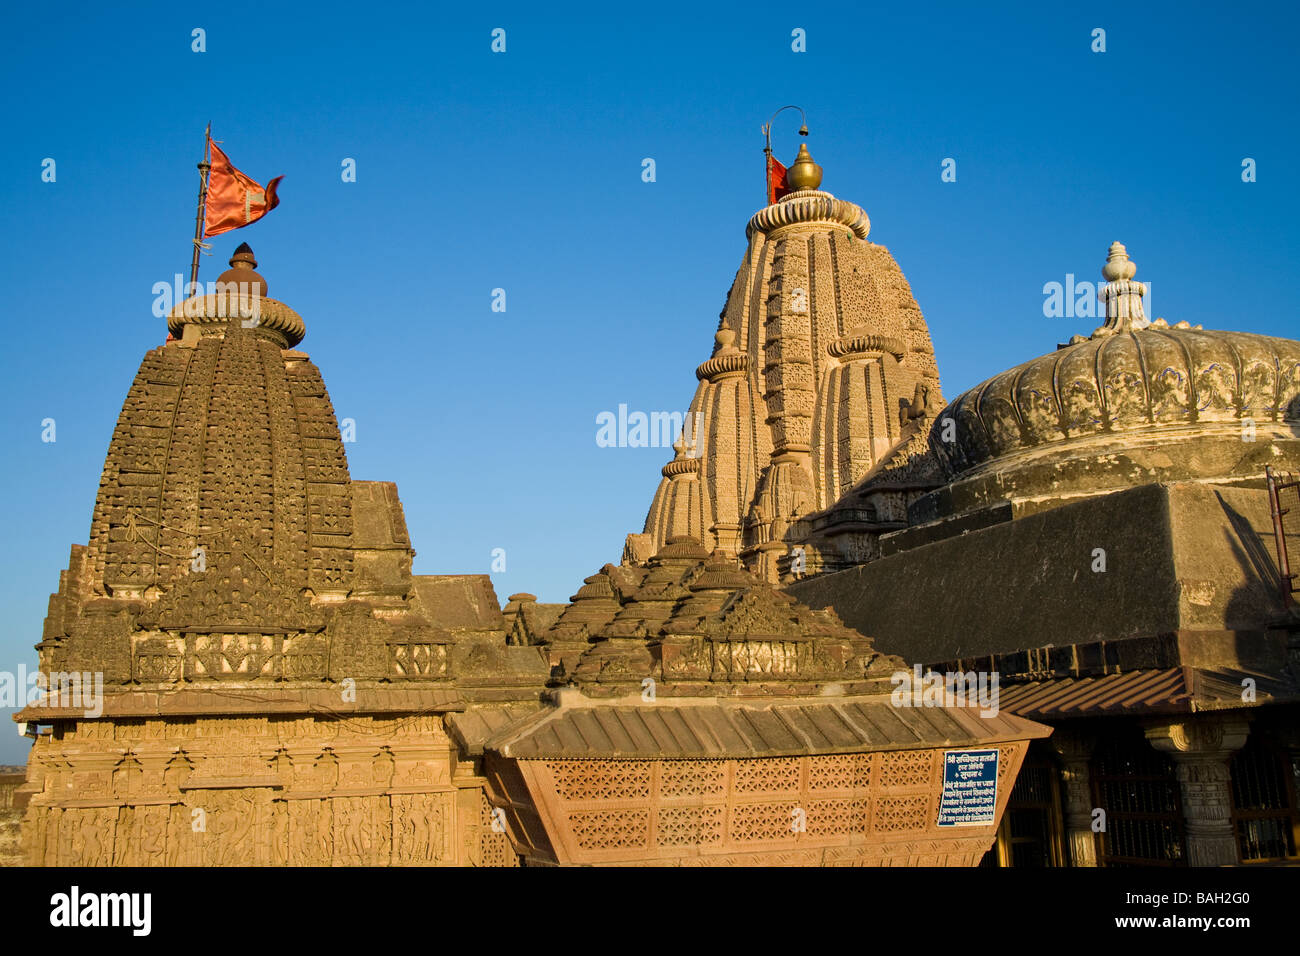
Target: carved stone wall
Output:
[
  {"x": 10, "y": 818},
  {"x": 263, "y": 791}
]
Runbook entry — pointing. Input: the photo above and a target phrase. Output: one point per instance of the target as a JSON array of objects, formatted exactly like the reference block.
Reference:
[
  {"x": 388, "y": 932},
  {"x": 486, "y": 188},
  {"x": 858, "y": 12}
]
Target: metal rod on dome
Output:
[
  {"x": 767, "y": 139},
  {"x": 205, "y": 168},
  {"x": 1279, "y": 536}
]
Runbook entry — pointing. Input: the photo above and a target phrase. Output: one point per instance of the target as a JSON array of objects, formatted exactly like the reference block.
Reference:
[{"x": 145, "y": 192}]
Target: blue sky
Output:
[{"x": 522, "y": 171}]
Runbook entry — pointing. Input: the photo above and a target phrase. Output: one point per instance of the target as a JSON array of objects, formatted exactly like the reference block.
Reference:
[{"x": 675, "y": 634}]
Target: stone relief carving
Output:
[{"x": 239, "y": 791}]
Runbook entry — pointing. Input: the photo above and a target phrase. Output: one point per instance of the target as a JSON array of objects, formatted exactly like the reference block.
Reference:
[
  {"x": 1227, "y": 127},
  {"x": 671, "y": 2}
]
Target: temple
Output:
[
  {"x": 860, "y": 626},
  {"x": 279, "y": 688},
  {"x": 1108, "y": 528}
]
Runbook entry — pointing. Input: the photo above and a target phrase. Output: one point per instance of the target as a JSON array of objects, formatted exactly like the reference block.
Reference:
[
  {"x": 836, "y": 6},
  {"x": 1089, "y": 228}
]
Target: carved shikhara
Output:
[
  {"x": 877, "y": 809},
  {"x": 820, "y": 349},
  {"x": 262, "y": 791},
  {"x": 274, "y": 675}
]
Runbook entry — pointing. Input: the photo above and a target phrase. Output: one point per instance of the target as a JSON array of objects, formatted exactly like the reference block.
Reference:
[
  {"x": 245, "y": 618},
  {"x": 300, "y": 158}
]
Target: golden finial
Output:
[{"x": 804, "y": 174}]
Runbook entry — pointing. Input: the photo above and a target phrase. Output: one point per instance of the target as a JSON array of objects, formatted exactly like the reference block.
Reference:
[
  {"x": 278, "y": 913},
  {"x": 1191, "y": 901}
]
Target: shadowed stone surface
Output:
[{"x": 1177, "y": 557}]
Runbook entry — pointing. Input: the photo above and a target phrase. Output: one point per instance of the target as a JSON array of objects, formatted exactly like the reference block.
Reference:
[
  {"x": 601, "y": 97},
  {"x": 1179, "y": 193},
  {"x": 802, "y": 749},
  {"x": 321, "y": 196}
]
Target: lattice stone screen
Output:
[{"x": 873, "y": 808}]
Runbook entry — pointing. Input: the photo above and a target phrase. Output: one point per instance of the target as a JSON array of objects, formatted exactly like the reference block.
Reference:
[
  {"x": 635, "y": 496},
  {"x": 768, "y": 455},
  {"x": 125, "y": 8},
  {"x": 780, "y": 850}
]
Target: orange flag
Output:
[
  {"x": 776, "y": 184},
  {"x": 234, "y": 200}
]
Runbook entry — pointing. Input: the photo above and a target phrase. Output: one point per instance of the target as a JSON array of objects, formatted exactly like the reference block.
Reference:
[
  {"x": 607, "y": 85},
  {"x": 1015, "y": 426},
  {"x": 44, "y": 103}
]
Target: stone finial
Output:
[
  {"x": 686, "y": 455},
  {"x": 727, "y": 361},
  {"x": 804, "y": 174},
  {"x": 241, "y": 274},
  {"x": 1121, "y": 295},
  {"x": 1118, "y": 264},
  {"x": 244, "y": 254}
]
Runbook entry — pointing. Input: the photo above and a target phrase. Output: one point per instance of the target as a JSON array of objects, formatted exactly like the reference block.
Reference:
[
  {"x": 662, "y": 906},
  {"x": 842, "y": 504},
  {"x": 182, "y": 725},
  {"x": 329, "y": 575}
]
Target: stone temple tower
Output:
[
  {"x": 821, "y": 360},
  {"x": 270, "y": 684}
]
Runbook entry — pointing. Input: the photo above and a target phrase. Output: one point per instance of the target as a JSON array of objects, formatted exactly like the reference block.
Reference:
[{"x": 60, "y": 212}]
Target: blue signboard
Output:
[{"x": 970, "y": 788}]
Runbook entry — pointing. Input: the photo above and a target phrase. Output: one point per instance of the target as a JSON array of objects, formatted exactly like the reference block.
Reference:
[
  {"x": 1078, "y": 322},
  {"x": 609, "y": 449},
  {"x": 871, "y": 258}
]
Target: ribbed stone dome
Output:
[
  {"x": 1126, "y": 398},
  {"x": 1140, "y": 381}
]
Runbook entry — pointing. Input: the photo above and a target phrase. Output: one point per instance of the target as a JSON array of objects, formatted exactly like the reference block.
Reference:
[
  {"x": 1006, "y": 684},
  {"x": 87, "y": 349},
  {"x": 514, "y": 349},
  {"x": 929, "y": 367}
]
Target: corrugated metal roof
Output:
[
  {"x": 1145, "y": 690},
  {"x": 218, "y": 701},
  {"x": 1157, "y": 690},
  {"x": 712, "y": 728}
]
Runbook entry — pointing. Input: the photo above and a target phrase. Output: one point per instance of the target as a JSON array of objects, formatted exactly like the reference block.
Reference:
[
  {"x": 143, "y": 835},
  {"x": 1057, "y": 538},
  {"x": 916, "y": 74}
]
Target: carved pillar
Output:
[
  {"x": 1201, "y": 748},
  {"x": 1075, "y": 750}
]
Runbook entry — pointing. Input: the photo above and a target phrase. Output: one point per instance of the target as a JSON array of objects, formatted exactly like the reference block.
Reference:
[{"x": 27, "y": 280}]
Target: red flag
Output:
[
  {"x": 776, "y": 184},
  {"x": 234, "y": 200}
]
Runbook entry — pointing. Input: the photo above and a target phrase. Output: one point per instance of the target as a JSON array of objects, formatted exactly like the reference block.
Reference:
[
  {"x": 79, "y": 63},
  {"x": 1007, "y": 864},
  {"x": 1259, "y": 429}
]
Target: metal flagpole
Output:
[
  {"x": 767, "y": 137},
  {"x": 767, "y": 160},
  {"x": 205, "y": 169},
  {"x": 1279, "y": 534}
]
